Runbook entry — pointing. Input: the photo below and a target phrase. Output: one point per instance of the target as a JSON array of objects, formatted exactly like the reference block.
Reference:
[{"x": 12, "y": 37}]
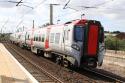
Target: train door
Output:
[
  {"x": 66, "y": 39},
  {"x": 63, "y": 40},
  {"x": 93, "y": 43},
  {"x": 93, "y": 39}
]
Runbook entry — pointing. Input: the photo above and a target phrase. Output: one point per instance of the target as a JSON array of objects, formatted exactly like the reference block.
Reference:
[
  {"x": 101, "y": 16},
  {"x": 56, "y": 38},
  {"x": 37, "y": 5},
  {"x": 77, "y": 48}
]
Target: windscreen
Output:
[{"x": 78, "y": 33}]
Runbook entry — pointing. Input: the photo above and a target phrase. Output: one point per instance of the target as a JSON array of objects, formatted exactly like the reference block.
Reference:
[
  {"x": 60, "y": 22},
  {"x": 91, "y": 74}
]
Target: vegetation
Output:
[
  {"x": 116, "y": 32},
  {"x": 114, "y": 43},
  {"x": 4, "y": 37}
]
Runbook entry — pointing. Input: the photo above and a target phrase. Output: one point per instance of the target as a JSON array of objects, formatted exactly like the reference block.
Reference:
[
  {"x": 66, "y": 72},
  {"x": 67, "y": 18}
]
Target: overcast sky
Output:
[{"x": 111, "y": 13}]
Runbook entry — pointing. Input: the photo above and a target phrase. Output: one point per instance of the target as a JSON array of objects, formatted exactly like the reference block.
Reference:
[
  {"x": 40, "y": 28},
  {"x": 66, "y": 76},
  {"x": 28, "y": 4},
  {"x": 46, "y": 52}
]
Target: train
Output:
[{"x": 77, "y": 43}]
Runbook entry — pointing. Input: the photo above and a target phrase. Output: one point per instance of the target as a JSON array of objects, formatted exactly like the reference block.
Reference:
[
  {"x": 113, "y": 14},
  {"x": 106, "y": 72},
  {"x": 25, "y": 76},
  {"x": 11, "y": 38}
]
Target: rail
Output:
[
  {"x": 55, "y": 79},
  {"x": 117, "y": 79}
]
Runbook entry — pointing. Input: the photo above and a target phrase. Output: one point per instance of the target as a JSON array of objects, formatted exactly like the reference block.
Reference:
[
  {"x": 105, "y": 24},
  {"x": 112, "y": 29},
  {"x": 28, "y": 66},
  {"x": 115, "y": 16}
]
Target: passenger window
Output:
[
  {"x": 43, "y": 37},
  {"x": 66, "y": 35},
  {"x": 34, "y": 38},
  {"x": 52, "y": 38},
  {"x": 39, "y": 38},
  {"x": 28, "y": 37},
  {"x": 57, "y": 38}
]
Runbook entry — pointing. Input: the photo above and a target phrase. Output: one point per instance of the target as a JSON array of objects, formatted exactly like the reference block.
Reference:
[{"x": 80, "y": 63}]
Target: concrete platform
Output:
[{"x": 11, "y": 71}]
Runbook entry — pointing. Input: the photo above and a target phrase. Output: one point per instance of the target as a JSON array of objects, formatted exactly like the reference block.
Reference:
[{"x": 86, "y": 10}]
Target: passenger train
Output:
[{"x": 78, "y": 43}]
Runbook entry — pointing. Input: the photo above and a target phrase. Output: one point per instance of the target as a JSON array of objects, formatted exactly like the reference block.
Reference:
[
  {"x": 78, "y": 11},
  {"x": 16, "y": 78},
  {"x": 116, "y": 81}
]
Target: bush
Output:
[{"x": 114, "y": 43}]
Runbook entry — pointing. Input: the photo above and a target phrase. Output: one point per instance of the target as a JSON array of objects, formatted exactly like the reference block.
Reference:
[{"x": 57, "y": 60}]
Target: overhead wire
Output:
[
  {"x": 66, "y": 6},
  {"x": 33, "y": 8},
  {"x": 28, "y": 12},
  {"x": 86, "y": 7}
]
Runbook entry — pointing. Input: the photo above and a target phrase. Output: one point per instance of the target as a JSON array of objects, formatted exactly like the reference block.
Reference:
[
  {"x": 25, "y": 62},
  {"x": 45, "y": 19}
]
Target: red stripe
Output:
[
  {"x": 47, "y": 38},
  {"x": 32, "y": 37},
  {"x": 93, "y": 40}
]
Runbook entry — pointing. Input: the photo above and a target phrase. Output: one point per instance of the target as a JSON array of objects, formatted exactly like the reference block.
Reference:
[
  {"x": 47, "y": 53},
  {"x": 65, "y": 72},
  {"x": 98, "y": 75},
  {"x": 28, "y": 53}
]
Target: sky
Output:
[{"x": 111, "y": 13}]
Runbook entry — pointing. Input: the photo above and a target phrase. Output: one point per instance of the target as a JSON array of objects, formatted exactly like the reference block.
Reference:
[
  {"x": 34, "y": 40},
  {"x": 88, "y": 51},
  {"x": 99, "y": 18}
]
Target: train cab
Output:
[{"x": 88, "y": 37}]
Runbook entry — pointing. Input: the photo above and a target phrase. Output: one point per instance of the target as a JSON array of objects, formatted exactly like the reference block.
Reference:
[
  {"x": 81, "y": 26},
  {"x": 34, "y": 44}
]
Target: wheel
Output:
[
  {"x": 38, "y": 52},
  {"x": 58, "y": 60},
  {"x": 47, "y": 55},
  {"x": 95, "y": 65},
  {"x": 100, "y": 64},
  {"x": 66, "y": 63}
]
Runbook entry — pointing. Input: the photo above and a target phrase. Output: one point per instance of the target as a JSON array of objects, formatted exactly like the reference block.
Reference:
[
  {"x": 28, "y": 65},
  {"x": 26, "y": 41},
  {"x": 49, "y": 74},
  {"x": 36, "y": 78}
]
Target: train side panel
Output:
[{"x": 38, "y": 40}]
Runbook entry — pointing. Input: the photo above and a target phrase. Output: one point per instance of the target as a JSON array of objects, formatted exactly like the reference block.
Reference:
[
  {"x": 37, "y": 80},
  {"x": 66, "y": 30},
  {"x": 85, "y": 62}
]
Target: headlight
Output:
[{"x": 76, "y": 47}]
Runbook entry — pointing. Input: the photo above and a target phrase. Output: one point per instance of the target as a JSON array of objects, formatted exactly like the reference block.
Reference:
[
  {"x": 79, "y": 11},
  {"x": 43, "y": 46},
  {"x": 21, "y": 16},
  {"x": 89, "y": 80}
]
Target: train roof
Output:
[
  {"x": 83, "y": 21},
  {"x": 73, "y": 22}
]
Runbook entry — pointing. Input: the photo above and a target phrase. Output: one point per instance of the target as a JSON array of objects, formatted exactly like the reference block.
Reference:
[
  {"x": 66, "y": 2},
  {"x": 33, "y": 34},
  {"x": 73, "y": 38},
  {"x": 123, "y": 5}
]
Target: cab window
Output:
[{"x": 79, "y": 33}]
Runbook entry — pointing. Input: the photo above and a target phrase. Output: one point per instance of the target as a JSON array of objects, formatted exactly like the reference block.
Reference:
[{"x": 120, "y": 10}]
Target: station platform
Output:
[{"x": 11, "y": 71}]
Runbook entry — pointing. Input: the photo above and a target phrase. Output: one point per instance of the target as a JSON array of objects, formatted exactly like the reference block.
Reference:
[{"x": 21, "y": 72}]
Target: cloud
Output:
[
  {"x": 112, "y": 9},
  {"x": 111, "y": 14},
  {"x": 115, "y": 10},
  {"x": 6, "y": 4},
  {"x": 85, "y": 2},
  {"x": 25, "y": 10}
]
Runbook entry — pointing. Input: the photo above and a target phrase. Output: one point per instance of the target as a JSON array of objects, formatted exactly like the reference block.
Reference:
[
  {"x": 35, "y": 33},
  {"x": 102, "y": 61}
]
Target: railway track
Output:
[
  {"x": 64, "y": 75},
  {"x": 44, "y": 77},
  {"x": 105, "y": 74}
]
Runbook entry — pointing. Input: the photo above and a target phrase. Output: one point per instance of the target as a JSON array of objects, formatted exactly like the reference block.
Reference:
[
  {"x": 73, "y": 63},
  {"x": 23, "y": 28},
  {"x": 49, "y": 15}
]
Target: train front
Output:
[{"x": 91, "y": 34}]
